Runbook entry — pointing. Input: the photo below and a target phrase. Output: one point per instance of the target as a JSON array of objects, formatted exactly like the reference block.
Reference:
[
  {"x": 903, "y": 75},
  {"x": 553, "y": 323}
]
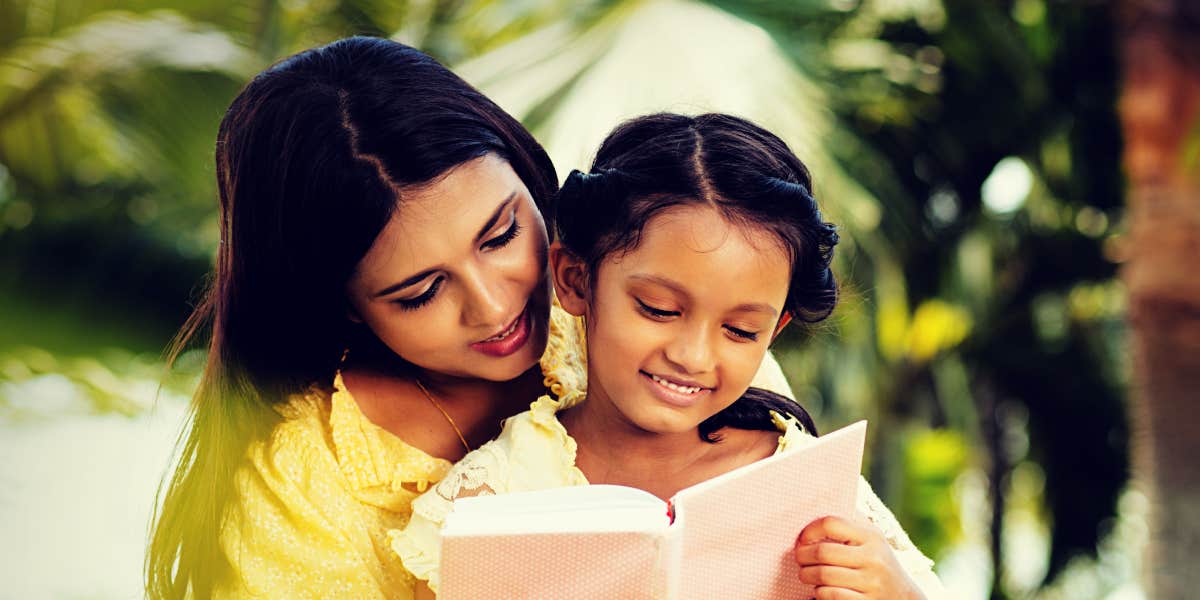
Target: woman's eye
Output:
[
  {"x": 503, "y": 239},
  {"x": 423, "y": 299},
  {"x": 749, "y": 336},
  {"x": 655, "y": 313}
]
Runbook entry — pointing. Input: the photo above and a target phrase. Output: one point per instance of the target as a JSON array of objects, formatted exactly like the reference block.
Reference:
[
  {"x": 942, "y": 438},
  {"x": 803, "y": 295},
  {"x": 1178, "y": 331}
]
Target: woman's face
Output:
[
  {"x": 456, "y": 282},
  {"x": 678, "y": 326}
]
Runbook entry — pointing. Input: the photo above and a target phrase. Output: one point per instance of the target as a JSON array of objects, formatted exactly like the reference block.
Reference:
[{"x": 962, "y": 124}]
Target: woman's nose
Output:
[{"x": 484, "y": 302}]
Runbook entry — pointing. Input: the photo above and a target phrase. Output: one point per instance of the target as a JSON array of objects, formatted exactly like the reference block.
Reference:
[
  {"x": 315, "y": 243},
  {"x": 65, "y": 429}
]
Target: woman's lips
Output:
[
  {"x": 508, "y": 341},
  {"x": 674, "y": 393}
]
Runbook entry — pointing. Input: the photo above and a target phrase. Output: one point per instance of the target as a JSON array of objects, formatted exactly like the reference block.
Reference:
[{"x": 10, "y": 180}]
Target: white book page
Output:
[
  {"x": 852, "y": 430},
  {"x": 576, "y": 509}
]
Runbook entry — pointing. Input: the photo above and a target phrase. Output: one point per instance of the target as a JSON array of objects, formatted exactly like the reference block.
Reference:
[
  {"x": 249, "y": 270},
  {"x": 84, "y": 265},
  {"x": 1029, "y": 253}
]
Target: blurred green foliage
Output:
[{"x": 969, "y": 150}]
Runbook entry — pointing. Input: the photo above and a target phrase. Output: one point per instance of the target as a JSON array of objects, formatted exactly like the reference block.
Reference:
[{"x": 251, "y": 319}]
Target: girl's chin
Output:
[{"x": 659, "y": 424}]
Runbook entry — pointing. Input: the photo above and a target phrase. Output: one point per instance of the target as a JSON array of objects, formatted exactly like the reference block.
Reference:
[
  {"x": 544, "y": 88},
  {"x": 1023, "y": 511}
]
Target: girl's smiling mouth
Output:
[{"x": 674, "y": 391}]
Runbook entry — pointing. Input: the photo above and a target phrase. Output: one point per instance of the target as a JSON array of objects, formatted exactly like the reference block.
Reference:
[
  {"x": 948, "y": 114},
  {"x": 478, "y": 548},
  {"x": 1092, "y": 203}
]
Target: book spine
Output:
[{"x": 672, "y": 553}]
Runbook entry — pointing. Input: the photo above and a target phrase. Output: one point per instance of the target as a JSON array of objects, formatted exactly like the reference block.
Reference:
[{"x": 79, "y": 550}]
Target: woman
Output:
[{"x": 380, "y": 303}]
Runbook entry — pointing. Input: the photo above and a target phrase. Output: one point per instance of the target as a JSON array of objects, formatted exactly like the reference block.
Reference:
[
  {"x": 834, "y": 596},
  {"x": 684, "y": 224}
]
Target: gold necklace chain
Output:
[{"x": 449, "y": 419}]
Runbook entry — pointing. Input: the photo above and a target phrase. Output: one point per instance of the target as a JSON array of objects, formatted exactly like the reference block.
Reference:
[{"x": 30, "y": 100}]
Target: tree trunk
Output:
[{"x": 1160, "y": 114}]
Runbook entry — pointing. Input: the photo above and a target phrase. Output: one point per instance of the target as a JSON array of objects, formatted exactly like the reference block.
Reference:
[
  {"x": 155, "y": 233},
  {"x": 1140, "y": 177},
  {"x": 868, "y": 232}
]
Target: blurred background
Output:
[{"x": 970, "y": 152}]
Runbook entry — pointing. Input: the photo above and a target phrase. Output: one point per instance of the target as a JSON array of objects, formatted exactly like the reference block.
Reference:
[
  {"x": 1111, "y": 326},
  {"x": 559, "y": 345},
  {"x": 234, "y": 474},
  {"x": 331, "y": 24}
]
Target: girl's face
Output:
[
  {"x": 677, "y": 328},
  {"x": 456, "y": 282}
]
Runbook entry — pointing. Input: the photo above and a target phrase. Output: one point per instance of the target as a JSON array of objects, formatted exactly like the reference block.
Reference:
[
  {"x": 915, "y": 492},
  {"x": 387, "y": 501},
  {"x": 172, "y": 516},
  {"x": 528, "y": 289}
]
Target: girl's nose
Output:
[{"x": 692, "y": 352}]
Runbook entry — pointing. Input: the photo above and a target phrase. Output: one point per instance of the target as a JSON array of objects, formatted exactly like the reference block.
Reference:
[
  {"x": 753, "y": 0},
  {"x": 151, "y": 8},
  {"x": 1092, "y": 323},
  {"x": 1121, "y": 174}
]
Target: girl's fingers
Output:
[
  {"x": 837, "y": 593},
  {"x": 829, "y": 575},
  {"x": 830, "y": 553},
  {"x": 832, "y": 528}
]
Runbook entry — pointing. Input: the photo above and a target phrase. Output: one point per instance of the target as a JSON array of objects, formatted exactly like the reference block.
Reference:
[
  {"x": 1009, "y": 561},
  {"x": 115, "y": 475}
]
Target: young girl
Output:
[{"x": 685, "y": 250}]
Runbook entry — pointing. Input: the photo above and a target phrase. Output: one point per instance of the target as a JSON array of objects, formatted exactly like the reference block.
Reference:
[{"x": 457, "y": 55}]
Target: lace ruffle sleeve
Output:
[
  {"x": 481, "y": 472},
  {"x": 915, "y": 563}
]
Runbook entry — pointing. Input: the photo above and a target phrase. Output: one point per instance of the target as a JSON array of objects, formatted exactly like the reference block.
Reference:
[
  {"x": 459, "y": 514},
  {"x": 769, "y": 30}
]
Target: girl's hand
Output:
[{"x": 851, "y": 561}]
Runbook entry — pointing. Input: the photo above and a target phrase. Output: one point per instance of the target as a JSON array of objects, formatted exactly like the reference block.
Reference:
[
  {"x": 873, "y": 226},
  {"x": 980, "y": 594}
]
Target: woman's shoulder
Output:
[
  {"x": 322, "y": 438},
  {"x": 293, "y": 441},
  {"x": 295, "y": 524}
]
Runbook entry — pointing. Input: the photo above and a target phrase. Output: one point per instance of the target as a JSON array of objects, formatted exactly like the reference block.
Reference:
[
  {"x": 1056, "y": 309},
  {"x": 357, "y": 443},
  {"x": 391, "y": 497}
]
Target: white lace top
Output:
[{"x": 534, "y": 451}]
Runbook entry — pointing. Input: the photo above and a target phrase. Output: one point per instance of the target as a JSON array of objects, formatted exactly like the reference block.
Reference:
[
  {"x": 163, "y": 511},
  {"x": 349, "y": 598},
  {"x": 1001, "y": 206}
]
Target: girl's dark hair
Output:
[
  {"x": 312, "y": 159},
  {"x": 653, "y": 163}
]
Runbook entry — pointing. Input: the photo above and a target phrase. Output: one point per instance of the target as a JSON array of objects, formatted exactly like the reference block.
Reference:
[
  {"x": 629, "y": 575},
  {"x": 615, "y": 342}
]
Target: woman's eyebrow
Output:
[
  {"x": 403, "y": 284},
  {"x": 487, "y": 226},
  {"x": 491, "y": 222}
]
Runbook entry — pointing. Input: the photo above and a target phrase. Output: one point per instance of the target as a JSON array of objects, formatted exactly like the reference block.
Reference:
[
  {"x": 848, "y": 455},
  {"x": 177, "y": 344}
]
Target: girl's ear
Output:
[
  {"x": 570, "y": 279},
  {"x": 783, "y": 321},
  {"x": 352, "y": 314}
]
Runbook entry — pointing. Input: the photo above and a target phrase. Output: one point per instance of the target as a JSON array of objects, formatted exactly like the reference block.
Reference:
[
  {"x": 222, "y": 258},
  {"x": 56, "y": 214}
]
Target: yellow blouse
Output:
[{"x": 315, "y": 499}]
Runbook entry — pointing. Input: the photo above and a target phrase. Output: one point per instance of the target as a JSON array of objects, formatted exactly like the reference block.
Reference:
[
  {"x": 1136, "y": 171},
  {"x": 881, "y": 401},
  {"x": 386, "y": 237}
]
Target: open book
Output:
[{"x": 729, "y": 537}]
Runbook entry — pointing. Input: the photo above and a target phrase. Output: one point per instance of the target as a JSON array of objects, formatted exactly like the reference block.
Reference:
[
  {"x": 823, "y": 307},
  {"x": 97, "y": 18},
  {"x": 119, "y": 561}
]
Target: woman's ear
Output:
[
  {"x": 352, "y": 314},
  {"x": 570, "y": 279}
]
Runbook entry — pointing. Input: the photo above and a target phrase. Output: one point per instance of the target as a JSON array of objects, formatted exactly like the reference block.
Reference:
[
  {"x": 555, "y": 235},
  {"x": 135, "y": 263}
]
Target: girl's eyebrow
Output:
[
  {"x": 666, "y": 282},
  {"x": 761, "y": 307},
  {"x": 671, "y": 284}
]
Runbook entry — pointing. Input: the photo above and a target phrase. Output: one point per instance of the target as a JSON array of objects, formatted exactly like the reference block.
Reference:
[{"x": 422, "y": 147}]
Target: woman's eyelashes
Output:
[
  {"x": 499, "y": 241},
  {"x": 423, "y": 299},
  {"x": 661, "y": 314},
  {"x": 503, "y": 239}
]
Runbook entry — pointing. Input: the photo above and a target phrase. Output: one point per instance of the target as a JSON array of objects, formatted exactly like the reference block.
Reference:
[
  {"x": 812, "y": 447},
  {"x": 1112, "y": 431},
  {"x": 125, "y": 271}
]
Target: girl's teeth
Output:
[{"x": 685, "y": 389}]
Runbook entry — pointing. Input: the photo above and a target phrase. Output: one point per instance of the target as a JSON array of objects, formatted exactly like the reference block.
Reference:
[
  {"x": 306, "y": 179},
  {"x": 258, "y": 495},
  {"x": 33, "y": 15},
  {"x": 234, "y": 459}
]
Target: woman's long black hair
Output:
[
  {"x": 653, "y": 163},
  {"x": 312, "y": 159}
]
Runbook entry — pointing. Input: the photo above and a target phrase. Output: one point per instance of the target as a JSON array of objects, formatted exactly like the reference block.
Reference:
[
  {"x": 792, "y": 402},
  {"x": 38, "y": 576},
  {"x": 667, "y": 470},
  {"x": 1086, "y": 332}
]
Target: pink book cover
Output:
[
  {"x": 731, "y": 537},
  {"x": 738, "y": 530},
  {"x": 554, "y": 566}
]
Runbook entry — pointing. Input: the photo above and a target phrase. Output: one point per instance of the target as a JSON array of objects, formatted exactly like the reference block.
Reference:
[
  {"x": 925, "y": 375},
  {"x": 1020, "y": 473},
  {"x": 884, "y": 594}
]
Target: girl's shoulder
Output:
[
  {"x": 744, "y": 446},
  {"x": 792, "y": 434},
  {"x": 533, "y": 451}
]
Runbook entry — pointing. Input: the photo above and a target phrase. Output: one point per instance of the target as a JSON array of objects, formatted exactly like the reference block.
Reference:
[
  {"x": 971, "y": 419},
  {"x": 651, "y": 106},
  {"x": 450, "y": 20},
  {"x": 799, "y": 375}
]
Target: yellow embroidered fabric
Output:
[
  {"x": 315, "y": 499},
  {"x": 313, "y": 502}
]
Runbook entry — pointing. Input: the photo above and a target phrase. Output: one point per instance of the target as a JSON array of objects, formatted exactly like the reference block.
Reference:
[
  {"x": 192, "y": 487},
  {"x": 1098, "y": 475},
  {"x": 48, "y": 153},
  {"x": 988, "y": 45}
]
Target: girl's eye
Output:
[
  {"x": 655, "y": 313},
  {"x": 749, "y": 336},
  {"x": 423, "y": 299},
  {"x": 503, "y": 239}
]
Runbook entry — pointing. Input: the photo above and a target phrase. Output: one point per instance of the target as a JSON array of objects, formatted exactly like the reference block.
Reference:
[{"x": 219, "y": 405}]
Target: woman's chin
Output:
[{"x": 510, "y": 367}]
